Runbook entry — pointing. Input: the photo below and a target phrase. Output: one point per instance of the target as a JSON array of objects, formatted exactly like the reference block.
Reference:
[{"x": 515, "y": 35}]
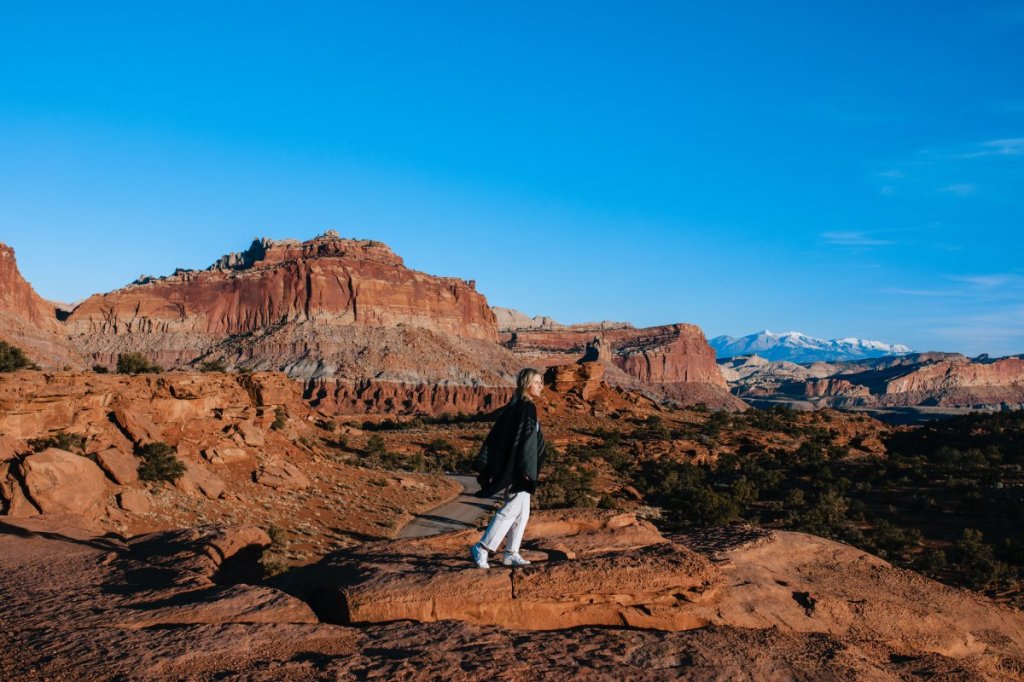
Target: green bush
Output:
[
  {"x": 100, "y": 369},
  {"x": 566, "y": 487},
  {"x": 72, "y": 442},
  {"x": 135, "y": 363},
  {"x": 13, "y": 358},
  {"x": 213, "y": 366},
  {"x": 280, "y": 419},
  {"x": 160, "y": 463}
]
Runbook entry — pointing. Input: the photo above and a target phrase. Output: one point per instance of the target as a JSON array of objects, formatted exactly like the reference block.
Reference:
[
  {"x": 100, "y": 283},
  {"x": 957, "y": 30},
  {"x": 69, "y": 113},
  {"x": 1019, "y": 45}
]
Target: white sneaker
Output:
[
  {"x": 479, "y": 553},
  {"x": 514, "y": 560}
]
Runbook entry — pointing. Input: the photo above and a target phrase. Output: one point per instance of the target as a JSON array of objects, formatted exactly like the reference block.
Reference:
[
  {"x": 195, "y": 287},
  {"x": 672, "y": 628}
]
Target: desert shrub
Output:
[
  {"x": 892, "y": 541},
  {"x": 135, "y": 363},
  {"x": 280, "y": 419},
  {"x": 567, "y": 487},
  {"x": 716, "y": 421},
  {"x": 277, "y": 536},
  {"x": 931, "y": 562},
  {"x": 13, "y": 358},
  {"x": 160, "y": 463},
  {"x": 447, "y": 457},
  {"x": 826, "y": 516},
  {"x": 213, "y": 366},
  {"x": 374, "y": 447},
  {"x": 376, "y": 455},
  {"x": 100, "y": 369},
  {"x": 328, "y": 425},
  {"x": 386, "y": 425},
  {"x": 653, "y": 428},
  {"x": 977, "y": 561},
  {"x": 72, "y": 442},
  {"x": 273, "y": 564}
]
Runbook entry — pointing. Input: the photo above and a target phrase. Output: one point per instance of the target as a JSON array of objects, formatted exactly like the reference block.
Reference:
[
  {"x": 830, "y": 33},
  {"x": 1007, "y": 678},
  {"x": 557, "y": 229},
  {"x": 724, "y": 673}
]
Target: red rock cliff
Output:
[
  {"x": 653, "y": 355},
  {"x": 327, "y": 283},
  {"x": 28, "y": 321}
]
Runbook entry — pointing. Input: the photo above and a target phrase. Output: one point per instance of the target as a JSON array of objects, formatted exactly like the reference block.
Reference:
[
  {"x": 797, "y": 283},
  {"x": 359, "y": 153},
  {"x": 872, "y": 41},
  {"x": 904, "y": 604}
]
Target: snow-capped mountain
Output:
[{"x": 797, "y": 347}]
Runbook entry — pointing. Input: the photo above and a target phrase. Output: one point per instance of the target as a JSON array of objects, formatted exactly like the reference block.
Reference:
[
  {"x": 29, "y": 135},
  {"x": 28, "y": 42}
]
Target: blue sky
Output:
[{"x": 842, "y": 169}]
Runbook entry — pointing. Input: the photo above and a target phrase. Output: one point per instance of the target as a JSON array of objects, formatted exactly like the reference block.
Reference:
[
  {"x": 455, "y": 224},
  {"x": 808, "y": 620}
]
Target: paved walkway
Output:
[{"x": 459, "y": 514}]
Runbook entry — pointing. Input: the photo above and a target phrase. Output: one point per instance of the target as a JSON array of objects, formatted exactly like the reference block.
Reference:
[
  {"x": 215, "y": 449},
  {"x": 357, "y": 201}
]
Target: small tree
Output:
[
  {"x": 135, "y": 363},
  {"x": 160, "y": 463},
  {"x": 12, "y": 358}
]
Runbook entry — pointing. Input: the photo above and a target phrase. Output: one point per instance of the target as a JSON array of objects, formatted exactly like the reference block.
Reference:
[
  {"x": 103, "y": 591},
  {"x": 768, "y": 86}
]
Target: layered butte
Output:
[{"x": 324, "y": 307}]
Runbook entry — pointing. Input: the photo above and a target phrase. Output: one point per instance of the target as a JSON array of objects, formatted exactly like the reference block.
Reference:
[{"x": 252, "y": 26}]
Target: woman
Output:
[{"x": 516, "y": 455}]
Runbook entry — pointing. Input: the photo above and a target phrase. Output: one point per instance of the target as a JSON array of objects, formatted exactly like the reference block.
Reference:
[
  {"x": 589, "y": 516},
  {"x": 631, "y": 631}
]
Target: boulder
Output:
[
  {"x": 59, "y": 481},
  {"x": 251, "y": 434},
  {"x": 279, "y": 474},
  {"x": 122, "y": 467},
  {"x": 225, "y": 453},
  {"x": 133, "y": 501},
  {"x": 198, "y": 480},
  {"x": 137, "y": 425}
]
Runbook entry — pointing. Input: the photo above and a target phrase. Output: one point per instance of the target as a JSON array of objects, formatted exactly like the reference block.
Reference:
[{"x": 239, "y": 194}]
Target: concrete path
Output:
[{"x": 459, "y": 514}]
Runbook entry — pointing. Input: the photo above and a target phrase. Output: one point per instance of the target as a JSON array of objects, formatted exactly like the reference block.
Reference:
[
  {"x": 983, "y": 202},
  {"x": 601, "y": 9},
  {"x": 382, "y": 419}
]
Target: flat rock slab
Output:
[
  {"x": 650, "y": 585},
  {"x": 122, "y": 467}
]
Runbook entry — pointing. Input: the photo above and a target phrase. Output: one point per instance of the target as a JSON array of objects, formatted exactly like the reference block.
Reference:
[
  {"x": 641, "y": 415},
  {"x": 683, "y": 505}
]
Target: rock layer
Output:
[
  {"x": 926, "y": 379},
  {"x": 336, "y": 282},
  {"x": 672, "y": 361},
  {"x": 29, "y": 322}
]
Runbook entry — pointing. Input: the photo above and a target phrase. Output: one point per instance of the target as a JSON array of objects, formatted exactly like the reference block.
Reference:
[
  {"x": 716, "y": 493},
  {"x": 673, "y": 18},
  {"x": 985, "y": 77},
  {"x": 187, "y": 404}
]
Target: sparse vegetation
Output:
[
  {"x": 72, "y": 442},
  {"x": 280, "y": 419},
  {"x": 213, "y": 366},
  {"x": 13, "y": 358},
  {"x": 136, "y": 363},
  {"x": 160, "y": 463},
  {"x": 100, "y": 369}
]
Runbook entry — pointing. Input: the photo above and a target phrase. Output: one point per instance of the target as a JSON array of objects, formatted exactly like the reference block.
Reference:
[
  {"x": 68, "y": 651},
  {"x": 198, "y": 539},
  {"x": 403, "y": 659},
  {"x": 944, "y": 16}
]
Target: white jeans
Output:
[{"x": 511, "y": 520}]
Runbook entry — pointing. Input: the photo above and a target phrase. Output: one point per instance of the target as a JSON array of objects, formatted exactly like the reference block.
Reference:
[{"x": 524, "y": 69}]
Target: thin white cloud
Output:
[
  {"x": 1011, "y": 146},
  {"x": 887, "y": 190},
  {"x": 858, "y": 239},
  {"x": 931, "y": 293},
  {"x": 959, "y": 189},
  {"x": 988, "y": 281}
]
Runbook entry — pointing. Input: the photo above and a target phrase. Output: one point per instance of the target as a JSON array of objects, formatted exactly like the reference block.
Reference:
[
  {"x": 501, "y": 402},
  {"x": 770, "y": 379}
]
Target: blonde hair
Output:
[{"x": 523, "y": 380}]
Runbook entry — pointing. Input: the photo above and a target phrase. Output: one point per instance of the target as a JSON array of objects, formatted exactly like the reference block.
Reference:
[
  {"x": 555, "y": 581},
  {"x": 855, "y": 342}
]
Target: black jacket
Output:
[{"x": 513, "y": 452}]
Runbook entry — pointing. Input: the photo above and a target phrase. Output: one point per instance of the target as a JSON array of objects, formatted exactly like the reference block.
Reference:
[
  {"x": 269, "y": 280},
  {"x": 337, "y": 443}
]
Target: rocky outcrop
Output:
[
  {"x": 583, "y": 379},
  {"x": 998, "y": 381},
  {"x": 510, "y": 320},
  {"x": 820, "y": 388},
  {"x": 671, "y": 361},
  {"x": 926, "y": 379},
  {"x": 328, "y": 282},
  {"x": 622, "y": 573},
  {"x": 184, "y": 605},
  {"x": 613, "y": 570},
  {"x": 29, "y": 322},
  {"x": 222, "y": 431}
]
